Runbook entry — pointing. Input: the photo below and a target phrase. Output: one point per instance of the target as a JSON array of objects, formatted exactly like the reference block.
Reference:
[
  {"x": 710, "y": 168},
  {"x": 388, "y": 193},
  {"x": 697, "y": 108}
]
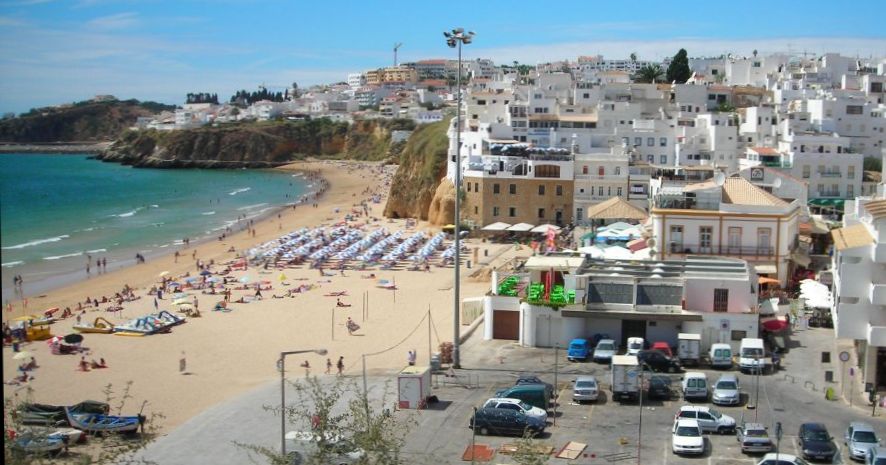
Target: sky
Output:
[{"x": 58, "y": 51}]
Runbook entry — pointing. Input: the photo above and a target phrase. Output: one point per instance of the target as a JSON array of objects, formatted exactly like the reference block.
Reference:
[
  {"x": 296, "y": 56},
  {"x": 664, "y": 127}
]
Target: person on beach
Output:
[
  {"x": 182, "y": 363},
  {"x": 410, "y": 358},
  {"x": 340, "y": 365},
  {"x": 83, "y": 365},
  {"x": 176, "y": 256},
  {"x": 328, "y": 366}
]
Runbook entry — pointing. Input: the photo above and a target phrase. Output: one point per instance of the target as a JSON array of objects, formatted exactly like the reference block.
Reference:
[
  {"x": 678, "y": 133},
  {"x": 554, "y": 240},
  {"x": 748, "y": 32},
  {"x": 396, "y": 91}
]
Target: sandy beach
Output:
[{"x": 229, "y": 353}]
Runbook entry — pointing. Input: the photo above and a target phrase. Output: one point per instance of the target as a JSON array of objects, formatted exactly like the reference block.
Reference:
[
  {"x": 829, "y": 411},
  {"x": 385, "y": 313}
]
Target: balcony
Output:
[
  {"x": 829, "y": 194},
  {"x": 688, "y": 249},
  {"x": 829, "y": 174},
  {"x": 777, "y": 164}
]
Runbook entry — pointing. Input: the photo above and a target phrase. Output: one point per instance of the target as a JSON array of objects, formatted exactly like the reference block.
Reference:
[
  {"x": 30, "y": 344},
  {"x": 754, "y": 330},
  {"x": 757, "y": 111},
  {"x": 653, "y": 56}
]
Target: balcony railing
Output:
[
  {"x": 829, "y": 193},
  {"x": 829, "y": 174},
  {"x": 674, "y": 248},
  {"x": 777, "y": 164}
]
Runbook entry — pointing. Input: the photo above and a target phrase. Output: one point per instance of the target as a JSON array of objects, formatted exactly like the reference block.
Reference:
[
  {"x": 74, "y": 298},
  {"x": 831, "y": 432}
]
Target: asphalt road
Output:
[{"x": 610, "y": 429}]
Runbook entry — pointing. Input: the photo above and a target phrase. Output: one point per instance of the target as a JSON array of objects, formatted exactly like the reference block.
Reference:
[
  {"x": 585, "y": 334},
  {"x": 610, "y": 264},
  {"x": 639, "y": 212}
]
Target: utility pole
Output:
[{"x": 556, "y": 392}]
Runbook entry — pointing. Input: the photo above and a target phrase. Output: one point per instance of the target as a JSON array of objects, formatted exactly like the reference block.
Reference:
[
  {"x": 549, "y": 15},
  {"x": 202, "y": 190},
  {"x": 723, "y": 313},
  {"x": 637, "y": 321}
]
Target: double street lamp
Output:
[
  {"x": 281, "y": 365},
  {"x": 455, "y": 39}
]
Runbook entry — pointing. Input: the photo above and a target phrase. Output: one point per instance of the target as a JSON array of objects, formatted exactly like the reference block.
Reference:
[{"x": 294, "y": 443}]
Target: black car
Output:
[
  {"x": 659, "y": 387},
  {"x": 502, "y": 422},
  {"x": 656, "y": 360},
  {"x": 815, "y": 442},
  {"x": 532, "y": 379}
]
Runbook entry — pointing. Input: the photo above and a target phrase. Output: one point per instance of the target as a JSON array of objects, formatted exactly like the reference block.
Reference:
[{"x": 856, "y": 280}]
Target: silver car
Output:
[
  {"x": 860, "y": 438},
  {"x": 585, "y": 388},
  {"x": 604, "y": 351},
  {"x": 727, "y": 391}
]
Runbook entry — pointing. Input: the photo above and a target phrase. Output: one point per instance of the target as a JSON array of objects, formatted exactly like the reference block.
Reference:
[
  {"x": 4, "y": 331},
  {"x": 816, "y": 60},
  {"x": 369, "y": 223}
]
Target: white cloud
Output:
[{"x": 115, "y": 21}]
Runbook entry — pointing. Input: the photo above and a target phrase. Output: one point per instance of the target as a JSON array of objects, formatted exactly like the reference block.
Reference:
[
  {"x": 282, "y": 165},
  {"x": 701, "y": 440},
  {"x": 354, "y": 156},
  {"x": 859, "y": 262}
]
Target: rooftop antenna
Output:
[{"x": 396, "y": 47}]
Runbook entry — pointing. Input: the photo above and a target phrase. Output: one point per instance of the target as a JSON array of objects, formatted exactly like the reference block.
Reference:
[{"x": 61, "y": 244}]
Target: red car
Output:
[{"x": 662, "y": 346}]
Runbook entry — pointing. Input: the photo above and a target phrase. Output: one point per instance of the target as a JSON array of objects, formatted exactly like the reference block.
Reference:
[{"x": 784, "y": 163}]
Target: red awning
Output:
[{"x": 774, "y": 324}]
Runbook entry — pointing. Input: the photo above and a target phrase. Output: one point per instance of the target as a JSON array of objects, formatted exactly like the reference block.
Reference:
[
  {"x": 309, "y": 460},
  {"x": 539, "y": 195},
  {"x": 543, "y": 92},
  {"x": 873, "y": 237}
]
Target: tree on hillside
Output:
[
  {"x": 873, "y": 164},
  {"x": 633, "y": 57},
  {"x": 678, "y": 70},
  {"x": 649, "y": 74}
]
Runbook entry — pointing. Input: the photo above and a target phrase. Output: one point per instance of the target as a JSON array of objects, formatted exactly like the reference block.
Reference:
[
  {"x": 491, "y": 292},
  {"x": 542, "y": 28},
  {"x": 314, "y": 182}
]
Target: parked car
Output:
[
  {"x": 726, "y": 390},
  {"x": 656, "y": 360},
  {"x": 753, "y": 438},
  {"x": 815, "y": 443},
  {"x": 662, "y": 346},
  {"x": 695, "y": 386},
  {"x": 579, "y": 349},
  {"x": 781, "y": 459},
  {"x": 535, "y": 395},
  {"x": 585, "y": 388},
  {"x": 302, "y": 445},
  {"x": 876, "y": 456},
  {"x": 659, "y": 387},
  {"x": 686, "y": 438},
  {"x": 501, "y": 421},
  {"x": 604, "y": 351},
  {"x": 860, "y": 438},
  {"x": 720, "y": 355},
  {"x": 708, "y": 419},
  {"x": 635, "y": 345},
  {"x": 532, "y": 379},
  {"x": 517, "y": 404}
]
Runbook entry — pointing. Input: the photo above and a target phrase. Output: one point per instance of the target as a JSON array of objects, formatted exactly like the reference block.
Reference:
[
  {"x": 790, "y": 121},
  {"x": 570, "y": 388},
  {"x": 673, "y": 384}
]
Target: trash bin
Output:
[{"x": 435, "y": 361}]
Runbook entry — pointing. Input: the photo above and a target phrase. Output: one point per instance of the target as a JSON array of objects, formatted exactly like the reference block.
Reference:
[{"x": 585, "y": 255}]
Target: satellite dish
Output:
[
  {"x": 720, "y": 178},
  {"x": 777, "y": 183}
]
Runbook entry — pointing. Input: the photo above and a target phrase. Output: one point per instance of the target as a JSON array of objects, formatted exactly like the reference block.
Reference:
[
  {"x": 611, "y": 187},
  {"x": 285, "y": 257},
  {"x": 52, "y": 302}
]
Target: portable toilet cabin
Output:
[{"x": 413, "y": 387}]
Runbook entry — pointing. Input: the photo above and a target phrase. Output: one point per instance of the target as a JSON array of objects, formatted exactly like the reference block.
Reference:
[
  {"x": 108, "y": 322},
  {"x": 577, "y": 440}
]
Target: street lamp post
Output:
[
  {"x": 455, "y": 39},
  {"x": 282, "y": 366}
]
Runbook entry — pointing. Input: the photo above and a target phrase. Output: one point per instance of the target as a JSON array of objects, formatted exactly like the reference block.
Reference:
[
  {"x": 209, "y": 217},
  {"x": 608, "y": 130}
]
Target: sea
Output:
[{"x": 56, "y": 210}]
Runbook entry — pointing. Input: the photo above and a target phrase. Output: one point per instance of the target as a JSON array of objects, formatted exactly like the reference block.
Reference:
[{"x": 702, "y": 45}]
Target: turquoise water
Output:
[{"x": 55, "y": 210}]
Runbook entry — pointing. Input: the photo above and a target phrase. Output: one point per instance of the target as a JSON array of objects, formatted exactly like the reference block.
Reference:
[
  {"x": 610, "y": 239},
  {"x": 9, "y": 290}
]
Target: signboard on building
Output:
[{"x": 757, "y": 174}]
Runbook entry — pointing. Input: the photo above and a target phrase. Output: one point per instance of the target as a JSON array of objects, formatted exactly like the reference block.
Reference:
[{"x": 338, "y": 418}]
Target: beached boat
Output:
[
  {"x": 100, "y": 325},
  {"x": 31, "y": 443},
  {"x": 54, "y": 415},
  {"x": 149, "y": 324},
  {"x": 99, "y": 423},
  {"x": 168, "y": 318},
  {"x": 71, "y": 435}
]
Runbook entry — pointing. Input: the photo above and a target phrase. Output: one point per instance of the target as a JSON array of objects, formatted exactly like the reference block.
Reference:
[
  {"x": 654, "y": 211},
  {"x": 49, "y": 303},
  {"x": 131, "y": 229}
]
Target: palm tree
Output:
[{"x": 649, "y": 74}]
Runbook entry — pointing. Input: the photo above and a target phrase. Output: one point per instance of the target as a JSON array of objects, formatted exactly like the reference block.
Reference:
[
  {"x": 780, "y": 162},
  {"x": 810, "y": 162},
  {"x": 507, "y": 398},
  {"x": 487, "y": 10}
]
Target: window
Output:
[
  {"x": 854, "y": 109},
  {"x": 706, "y": 235},
  {"x": 476, "y": 209},
  {"x": 584, "y": 169},
  {"x": 559, "y": 190},
  {"x": 650, "y": 159},
  {"x": 512, "y": 189},
  {"x": 676, "y": 239},
  {"x": 734, "y": 238},
  {"x": 712, "y": 97},
  {"x": 737, "y": 335},
  {"x": 601, "y": 171},
  {"x": 541, "y": 190},
  {"x": 638, "y": 141},
  {"x": 877, "y": 87},
  {"x": 600, "y": 191},
  {"x": 850, "y": 172},
  {"x": 541, "y": 213},
  {"x": 609, "y": 191},
  {"x": 618, "y": 192},
  {"x": 664, "y": 159},
  {"x": 618, "y": 171},
  {"x": 496, "y": 189},
  {"x": 476, "y": 187},
  {"x": 663, "y": 142},
  {"x": 512, "y": 212},
  {"x": 659, "y": 295},
  {"x": 495, "y": 211},
  {"x": 579, "y": 214},
  {"x": 850, "y": 191},
  {"x": 806, "y": 171},
  {"x": 763, "y": 241},
  {"x": 721, "y": 300},
  {"x": 650, "y": 142}
]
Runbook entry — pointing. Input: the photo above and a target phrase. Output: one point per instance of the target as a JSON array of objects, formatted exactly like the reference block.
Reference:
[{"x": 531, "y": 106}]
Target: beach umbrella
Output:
[
  {"x": 181, "y": 301},
  {"x": 205, "y": 273},
  {"x": 282, "y": 277},
  {"x": 22, "y": 355},
  {"x": 74, "y": 338},
  {"x": 244, "y": 279},
  {"x": 163, "y": 273}
]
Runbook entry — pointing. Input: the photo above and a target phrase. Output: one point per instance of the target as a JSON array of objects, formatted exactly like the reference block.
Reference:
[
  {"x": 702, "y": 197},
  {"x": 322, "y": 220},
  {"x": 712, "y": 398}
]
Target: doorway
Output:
[
  {"x": 881, "y": 369},
  {"x": 632, "y": 328}
]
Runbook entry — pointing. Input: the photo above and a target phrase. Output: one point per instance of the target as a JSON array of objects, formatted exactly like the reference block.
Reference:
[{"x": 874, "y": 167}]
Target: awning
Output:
[
  {"x": 766, "y": 269},
  {"x": 827, "y": 203},
  {"x": 765, "y": 280},
  {"x": 496, "y": 226},
  {"x": 801, "y": 258},
  {"x": 543, "y": 228},
  {"x": 774, "y": 324},
  {"x": 521, "y": 227},
  {"x": 544, "y": 263},
  {"x": 632, "y": 315}
]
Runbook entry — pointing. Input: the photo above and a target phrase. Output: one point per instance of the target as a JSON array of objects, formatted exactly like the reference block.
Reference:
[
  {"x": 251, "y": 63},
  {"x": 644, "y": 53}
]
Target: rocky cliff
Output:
[
  {"x": 417, "y": 190},
  {"x": 255, "y": 144},
  {"x": 79, "y": 122}
]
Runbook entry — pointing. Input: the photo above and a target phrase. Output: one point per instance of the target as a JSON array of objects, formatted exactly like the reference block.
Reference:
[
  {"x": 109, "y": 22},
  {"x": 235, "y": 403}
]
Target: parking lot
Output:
[{"x": 610, "y": 429}]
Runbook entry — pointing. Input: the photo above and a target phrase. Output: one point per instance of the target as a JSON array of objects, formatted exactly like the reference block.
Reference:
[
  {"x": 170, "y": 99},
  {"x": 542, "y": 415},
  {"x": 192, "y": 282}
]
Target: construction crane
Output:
[{"x": 396, "y": 47}]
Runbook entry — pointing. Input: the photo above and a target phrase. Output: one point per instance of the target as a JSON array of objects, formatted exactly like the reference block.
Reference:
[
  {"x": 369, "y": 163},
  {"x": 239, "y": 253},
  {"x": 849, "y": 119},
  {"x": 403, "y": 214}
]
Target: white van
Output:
[
  {"x": 721, "y": 355},
  {"x": 751, "y": 355},
  {"x": 695, "y": 386}
]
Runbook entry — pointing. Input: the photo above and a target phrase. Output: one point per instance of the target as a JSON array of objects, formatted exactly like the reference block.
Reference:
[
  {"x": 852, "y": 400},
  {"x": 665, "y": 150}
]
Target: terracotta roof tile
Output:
[{"x": 852, "y": 236}]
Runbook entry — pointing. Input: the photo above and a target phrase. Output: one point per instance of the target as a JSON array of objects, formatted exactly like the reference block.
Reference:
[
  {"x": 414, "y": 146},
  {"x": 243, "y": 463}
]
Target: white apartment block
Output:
[
  {"x": 859, "y": 265},
  {"x": 356, "y": 80},
  {"x": 824, "y": 161},
  {"x": 599, "y": 176},
  {"x": 737, "y": 219}
]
